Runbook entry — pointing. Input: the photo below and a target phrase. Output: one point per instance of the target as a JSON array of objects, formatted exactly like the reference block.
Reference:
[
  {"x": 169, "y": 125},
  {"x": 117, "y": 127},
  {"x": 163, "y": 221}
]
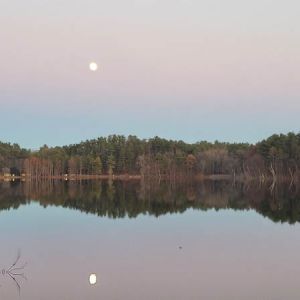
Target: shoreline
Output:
[
  {"x": 72, "y": 177},
  {"x": 138, "y": 177}
]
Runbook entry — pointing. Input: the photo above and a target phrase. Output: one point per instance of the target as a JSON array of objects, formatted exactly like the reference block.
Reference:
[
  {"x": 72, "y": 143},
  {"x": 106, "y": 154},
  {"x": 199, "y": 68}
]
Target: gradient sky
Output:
[{"x": 180, "y": 69}]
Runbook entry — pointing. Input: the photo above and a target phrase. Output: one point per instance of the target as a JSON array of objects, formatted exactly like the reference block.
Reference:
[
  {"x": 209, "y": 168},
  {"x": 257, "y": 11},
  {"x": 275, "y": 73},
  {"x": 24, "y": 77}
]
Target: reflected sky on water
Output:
[{"x": 204, "y": 247}]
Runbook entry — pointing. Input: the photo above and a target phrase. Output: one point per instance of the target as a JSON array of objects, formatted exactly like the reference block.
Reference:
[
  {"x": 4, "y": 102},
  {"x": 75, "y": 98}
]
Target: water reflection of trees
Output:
[{"x": 121, "y": 199}]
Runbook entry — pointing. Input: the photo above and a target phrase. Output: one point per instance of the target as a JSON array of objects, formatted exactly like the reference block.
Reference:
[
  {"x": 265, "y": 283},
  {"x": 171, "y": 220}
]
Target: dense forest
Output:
[{"x": 273, "y": 158}]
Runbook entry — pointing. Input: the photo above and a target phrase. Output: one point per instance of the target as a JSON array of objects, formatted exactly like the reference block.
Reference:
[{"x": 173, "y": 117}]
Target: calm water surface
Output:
[{"x": 195, "y": 241}]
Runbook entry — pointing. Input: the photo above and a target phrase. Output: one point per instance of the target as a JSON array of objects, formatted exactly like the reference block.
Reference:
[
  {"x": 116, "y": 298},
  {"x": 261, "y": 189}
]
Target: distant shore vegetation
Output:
[{"x": 117, "y": 156}]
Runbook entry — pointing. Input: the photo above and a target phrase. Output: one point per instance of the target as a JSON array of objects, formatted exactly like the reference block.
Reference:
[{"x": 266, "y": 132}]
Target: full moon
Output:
[
  {"x": 93, "y": 279},
  {"x": 93, "y": 66}
]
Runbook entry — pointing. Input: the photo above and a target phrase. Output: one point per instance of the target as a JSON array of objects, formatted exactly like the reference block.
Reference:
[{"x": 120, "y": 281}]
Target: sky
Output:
[{"x": 180, "y": 69}]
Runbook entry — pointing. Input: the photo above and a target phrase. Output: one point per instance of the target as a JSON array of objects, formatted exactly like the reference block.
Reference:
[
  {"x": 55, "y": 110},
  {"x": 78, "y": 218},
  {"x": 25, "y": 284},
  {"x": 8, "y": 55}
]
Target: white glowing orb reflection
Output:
[
  {"x": 93, "y": 279},
  {"x": 93, "y": 66}
]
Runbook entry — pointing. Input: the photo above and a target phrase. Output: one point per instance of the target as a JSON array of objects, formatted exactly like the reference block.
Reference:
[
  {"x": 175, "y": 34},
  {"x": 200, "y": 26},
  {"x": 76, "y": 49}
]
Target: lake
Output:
[{"x": 205, "y": 240}]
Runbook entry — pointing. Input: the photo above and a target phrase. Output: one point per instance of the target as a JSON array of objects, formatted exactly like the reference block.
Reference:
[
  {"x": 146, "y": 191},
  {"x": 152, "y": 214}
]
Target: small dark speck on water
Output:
[{"x": 180, "y": 247}]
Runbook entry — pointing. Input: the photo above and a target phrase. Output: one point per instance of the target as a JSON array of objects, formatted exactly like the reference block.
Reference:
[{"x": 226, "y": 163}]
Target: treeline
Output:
[{"x": 276, "y": 157}]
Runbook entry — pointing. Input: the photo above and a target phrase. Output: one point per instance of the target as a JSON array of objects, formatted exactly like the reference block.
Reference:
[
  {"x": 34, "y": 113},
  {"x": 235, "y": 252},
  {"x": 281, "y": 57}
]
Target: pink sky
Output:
[{"x": 215, "y": 58}]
